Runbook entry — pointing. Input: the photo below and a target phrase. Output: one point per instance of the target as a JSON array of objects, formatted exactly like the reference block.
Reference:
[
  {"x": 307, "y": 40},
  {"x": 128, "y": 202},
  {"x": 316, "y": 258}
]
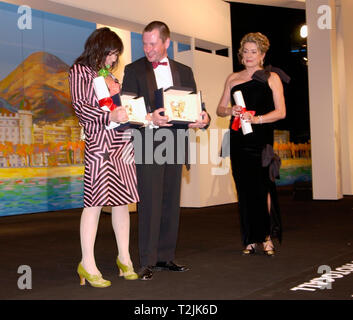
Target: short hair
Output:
[
  {"x": 164, "y": 31},
  {"x": 98, "y": 46},
  {"x": 258, "y": 38}
]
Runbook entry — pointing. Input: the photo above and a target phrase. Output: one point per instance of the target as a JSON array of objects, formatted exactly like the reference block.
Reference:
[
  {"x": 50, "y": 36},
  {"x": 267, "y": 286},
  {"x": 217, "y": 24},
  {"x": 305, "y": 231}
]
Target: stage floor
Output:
[{"x": 316, "y": 234}]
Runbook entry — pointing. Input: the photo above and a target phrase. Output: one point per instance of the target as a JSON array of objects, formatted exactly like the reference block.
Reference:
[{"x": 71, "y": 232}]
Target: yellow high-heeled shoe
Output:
[
  {"x": 126, "y": 271},
  {"x": 95, "y": 280}
]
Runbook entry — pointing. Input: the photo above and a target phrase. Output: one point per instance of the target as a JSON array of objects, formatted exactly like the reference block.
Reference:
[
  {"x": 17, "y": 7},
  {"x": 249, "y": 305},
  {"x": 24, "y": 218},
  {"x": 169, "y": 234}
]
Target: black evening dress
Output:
[{"x": 252, "y": 180}]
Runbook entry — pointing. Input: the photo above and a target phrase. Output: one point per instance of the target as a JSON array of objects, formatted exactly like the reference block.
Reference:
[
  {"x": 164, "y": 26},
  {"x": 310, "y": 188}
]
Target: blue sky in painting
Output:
[{"x": 58, "y": 35}]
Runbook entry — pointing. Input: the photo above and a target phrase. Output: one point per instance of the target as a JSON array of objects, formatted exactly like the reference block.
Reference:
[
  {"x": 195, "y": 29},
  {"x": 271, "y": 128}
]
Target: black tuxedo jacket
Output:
[{"x": 139, "y": 78}]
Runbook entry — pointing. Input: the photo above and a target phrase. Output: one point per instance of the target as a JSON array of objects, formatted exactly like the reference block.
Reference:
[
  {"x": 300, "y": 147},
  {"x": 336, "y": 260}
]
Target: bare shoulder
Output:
[
  {"x": 274, "y": 80},
  {"x": 234, "y": 78},
  {"x": 274, "y": 77}
]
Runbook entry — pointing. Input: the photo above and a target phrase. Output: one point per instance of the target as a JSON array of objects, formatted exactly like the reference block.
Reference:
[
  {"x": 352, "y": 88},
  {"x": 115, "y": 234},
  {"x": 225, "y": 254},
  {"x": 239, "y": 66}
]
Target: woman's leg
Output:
[
  {"x": 269, "y": 203},
  {"x": 268, "y": 244},
  {"x": 121, "y": 226},
  {"x": 88, "y": 232}
]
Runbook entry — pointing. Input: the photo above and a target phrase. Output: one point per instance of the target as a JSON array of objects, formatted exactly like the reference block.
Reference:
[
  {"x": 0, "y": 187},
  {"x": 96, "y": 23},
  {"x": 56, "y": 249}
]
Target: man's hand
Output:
[
  {"x": 201, "y": 122},
  {"x": 159, "y": 120}
]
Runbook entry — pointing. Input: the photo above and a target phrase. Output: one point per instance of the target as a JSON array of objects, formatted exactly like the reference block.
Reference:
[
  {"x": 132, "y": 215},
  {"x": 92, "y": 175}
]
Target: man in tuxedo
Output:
[{"x": 158, "y": 184}]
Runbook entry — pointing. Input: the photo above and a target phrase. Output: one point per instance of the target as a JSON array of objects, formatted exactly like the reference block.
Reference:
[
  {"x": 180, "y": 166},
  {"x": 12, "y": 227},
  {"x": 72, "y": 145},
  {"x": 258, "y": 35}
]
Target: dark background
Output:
[{"x": 287, "y": 51}]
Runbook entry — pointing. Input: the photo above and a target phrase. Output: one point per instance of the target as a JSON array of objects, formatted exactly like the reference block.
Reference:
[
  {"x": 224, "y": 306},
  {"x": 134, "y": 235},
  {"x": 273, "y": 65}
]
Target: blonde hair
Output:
[{"x": 258, "y": 38}]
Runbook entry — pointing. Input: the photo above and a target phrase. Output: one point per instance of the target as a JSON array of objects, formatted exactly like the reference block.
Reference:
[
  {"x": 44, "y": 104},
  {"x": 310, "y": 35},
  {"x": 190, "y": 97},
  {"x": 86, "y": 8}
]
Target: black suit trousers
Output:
[{"x": 159, "y": 211}]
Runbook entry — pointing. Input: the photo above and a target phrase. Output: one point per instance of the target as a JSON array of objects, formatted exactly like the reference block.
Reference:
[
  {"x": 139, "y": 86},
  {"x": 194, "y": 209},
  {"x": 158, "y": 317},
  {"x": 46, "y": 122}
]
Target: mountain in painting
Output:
[{"x": 39, "y": 84}]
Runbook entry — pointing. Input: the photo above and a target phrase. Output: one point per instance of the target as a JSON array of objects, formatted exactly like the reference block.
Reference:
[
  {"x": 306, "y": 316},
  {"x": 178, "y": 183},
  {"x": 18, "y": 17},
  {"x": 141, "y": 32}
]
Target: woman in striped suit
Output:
[{"x": 110, "y": 174}]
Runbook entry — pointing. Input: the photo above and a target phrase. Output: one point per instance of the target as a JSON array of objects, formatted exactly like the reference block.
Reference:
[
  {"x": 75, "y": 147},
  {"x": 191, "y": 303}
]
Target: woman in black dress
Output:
[{"x": 262, "y": 91}]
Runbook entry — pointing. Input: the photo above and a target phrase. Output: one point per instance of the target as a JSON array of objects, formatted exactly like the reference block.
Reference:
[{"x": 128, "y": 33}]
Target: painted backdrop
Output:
[{"x": 41, "y": 154}]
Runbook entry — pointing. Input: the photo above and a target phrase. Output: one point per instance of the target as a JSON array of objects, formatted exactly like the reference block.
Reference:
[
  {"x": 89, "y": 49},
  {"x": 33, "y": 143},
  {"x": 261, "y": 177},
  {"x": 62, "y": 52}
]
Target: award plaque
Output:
[
  {"x": 181, "y": 105},
  {"x": 135, "y": 108}
]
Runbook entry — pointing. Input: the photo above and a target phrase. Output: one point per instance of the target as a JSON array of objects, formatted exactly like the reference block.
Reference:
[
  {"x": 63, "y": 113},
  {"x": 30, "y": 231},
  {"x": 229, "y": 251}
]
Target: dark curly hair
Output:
[{"x": 98, "y": 46}]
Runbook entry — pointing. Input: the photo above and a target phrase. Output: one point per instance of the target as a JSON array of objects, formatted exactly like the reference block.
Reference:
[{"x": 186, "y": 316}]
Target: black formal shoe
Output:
[
  {"x": 169, "y": 266},
  {"x": 145, "y": 273}
]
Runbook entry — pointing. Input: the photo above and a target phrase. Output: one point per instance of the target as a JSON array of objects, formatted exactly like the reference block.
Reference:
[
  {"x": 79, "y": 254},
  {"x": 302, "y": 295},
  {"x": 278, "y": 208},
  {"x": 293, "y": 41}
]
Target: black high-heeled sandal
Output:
[
  {"x": 251, "y": 250},
  {"x": 269, "y": 249}
]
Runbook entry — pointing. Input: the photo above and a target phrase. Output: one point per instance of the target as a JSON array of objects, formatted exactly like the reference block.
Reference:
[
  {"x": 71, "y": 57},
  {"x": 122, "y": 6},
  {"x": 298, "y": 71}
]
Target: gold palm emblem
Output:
[
  {"x": 129, "y": 110},
  {"x": 177, "y": 108}
]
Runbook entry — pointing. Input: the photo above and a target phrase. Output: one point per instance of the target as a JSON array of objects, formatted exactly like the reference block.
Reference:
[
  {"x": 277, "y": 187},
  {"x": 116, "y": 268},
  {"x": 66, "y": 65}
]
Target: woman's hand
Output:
[
  {"x": 113, "y": 86},
  {"x": 236, "y": 111},
  {"x": 119, "y": 115},
  {"x": 249, "y": 117}
]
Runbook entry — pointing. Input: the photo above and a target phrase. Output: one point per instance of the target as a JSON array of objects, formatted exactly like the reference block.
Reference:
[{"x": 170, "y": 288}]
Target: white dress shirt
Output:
[
  {"x": 163, "y": 75},
  {"x": 164, "y": 79}
]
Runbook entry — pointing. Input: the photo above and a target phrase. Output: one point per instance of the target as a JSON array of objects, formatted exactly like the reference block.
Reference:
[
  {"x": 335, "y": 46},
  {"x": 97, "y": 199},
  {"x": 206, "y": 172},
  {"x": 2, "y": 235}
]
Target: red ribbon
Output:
[
  {"x": 108, "y": 102},
  {"x": 236, "y": 121}
]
